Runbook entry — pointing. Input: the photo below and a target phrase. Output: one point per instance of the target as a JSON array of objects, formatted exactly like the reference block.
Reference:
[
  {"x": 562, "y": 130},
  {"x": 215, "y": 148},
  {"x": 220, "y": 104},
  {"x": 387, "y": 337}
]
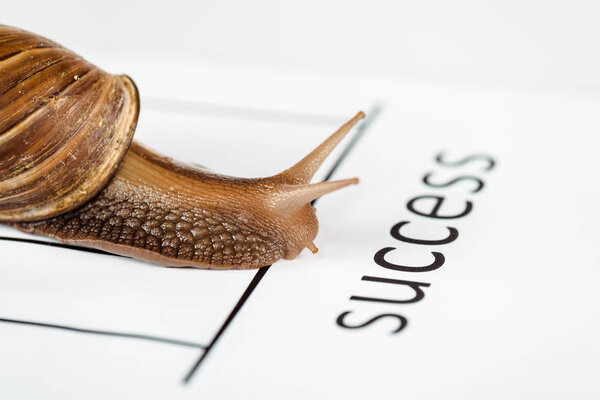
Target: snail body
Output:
[{"x": 70, "y": 170}]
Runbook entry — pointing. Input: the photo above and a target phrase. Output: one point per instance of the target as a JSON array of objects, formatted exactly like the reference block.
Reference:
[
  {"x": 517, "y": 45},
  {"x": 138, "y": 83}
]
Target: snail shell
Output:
[
  {"x": 69, "y": 170},
  {"x": 65, "y": 126}
]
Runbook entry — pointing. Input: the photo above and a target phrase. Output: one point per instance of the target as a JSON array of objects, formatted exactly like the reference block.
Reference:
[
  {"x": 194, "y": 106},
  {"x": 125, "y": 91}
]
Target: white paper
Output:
[{"x": 511, "y": 313}]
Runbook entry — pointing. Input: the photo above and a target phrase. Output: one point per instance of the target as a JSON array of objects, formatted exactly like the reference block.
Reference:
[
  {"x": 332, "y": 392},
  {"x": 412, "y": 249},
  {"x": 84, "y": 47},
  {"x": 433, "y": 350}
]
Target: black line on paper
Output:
[
  {"x": 199, "y": 108},
  {"x": 54, "y": 244},
  {"x": 106, "y": 333},
  {"x": 255, "y": 281},
  {"x": 189, "y": 107},
  {"x": 374, "y": 112},
  {"x": 360, "y": 131}
]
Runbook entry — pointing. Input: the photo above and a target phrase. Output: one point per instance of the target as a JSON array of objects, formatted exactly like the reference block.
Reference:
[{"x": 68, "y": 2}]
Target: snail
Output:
[{"x": 70, "y": 170}]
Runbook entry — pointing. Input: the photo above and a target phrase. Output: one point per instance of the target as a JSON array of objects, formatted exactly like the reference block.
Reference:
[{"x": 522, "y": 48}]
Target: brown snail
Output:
[{"x": 70, "y": 170}]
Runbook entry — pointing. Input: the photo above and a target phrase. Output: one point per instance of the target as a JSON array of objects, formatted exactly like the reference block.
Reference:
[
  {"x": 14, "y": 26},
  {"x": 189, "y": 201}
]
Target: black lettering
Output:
[
  {"x": 478, "y": 182},
  {"x": 395, "y": 232},
  {"x": 402, "y": 321},
  {"x": 436, "y": 208},
  {"x": 491, "y": 162},
  {"x": 416, "y": 286},
  {"x": 380, "y": 260}
]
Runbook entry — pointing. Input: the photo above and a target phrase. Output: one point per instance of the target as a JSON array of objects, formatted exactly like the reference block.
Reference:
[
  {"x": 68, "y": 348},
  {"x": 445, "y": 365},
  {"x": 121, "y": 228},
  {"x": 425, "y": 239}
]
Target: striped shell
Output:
[{"x": 65, "y": 126}]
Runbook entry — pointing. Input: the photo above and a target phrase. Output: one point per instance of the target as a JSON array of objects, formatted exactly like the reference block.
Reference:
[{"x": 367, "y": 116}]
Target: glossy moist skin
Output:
[
  {"x": 165, "y": 212},
  {"x": 68, "y": 171},
  {"x": 174, "y": 218}
]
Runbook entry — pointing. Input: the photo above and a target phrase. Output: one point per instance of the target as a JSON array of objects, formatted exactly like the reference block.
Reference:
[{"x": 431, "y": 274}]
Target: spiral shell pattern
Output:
[{"x": 65, "y": 126}]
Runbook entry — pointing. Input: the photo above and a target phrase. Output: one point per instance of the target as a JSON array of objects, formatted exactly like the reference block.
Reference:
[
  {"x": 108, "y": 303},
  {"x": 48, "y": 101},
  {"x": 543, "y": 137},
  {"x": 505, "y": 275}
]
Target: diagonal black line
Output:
[
  {"x": 259, "y": 275},
  {"x": 61, "y": 245},
  {"x": 253, "y": 284},
  {"x": 107, "y": 333},
  {"x": 262, "y": 271},
  {"x": 195, "y": 108},
  {"x": 360, "y": 131}
]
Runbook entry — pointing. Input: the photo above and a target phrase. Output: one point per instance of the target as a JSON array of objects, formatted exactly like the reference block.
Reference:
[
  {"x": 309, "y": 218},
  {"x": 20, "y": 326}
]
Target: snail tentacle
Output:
[
  {"x": 69, "y": 170},
  {"x": 165, "y": 212}
]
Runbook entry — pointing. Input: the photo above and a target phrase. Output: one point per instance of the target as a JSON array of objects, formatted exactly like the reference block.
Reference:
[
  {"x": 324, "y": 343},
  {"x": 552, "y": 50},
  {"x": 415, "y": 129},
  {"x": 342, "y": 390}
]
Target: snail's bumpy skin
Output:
[
  {"x": 69, "y": 170},
  {"x": 178, "y": 222},
  {"x": 124, "y": 217}
]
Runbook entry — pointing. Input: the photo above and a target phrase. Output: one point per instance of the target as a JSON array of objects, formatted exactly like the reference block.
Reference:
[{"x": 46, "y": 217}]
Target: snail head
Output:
[{"x": 290, "y": 193}]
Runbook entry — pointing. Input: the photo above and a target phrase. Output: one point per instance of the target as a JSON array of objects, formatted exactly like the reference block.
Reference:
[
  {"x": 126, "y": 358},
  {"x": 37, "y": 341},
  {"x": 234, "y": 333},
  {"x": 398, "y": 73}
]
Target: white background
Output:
[
  {"x": 512, "y": 314},
  {"x": 531, "y": 44}
]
